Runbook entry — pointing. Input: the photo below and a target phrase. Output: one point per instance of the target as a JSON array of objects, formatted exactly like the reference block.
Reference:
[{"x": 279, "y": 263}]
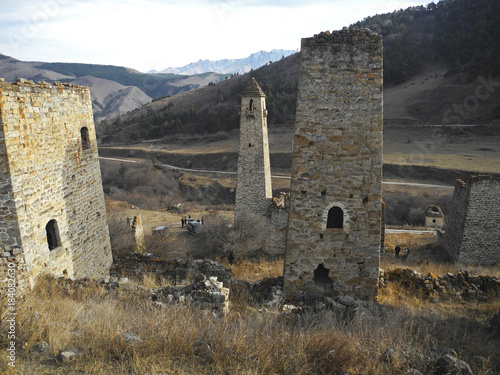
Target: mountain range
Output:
[
  {"x": 231, "y": 66},
  {"x": 117, "y": 90}
]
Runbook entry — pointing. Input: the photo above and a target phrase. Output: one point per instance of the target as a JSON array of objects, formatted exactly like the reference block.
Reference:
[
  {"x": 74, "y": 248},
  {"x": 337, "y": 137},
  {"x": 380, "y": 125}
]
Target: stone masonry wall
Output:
[
  {"x": 51, "y": 202},
  {"x": 472, "y": 229},
  {"x": 253, "y": 186},
  {"x": 455, "y": 219},
  {"x": 337, "y": 167}
]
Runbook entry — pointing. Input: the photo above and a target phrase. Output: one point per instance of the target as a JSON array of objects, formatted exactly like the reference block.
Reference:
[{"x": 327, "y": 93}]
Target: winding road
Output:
[{"x": 273, "y": 176}]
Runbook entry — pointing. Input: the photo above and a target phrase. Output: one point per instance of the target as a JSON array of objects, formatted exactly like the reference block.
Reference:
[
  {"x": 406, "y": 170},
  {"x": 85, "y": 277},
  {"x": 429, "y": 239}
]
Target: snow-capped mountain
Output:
[{"x": 229, "y": 66}]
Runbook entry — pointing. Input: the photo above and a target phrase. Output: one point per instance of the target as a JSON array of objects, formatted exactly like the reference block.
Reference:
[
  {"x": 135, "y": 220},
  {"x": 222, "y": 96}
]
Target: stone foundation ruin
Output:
[{"x": 52, "y": 213}]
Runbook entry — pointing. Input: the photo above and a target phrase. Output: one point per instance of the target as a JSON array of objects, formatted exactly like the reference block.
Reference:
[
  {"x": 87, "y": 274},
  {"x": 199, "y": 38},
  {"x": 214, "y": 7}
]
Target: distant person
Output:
[
  {"x": 183, "y": 221},
  {"x": 397, "y": 250},
  {"x": 128, "y": 221},
  {"x": 406, "y": 252}
]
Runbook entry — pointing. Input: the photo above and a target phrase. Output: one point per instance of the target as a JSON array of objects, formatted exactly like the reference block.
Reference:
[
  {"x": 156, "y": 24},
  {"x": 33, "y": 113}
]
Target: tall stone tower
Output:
[
  {"x": 253, "y": 186},
  {"x": 52, "y": 213},
  {"x": 334, "y": 224}
]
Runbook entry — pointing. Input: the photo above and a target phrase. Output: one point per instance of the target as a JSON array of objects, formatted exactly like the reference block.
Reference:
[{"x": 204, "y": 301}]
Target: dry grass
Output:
[
  {"x": 461, "y": 325},
  {"x": 181, "y": 339},
  {"x": 256, "y": 270},
  {"x": 412, "y": 240}
]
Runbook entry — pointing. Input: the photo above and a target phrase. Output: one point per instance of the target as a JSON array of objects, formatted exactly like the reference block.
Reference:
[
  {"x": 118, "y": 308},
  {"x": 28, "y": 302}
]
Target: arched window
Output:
[
  {"x": 250, "y": 107},
  {"x": 84, "y": 132},
  {"x": 335, "y": 218},
  {"x": 53, "y": 239}
]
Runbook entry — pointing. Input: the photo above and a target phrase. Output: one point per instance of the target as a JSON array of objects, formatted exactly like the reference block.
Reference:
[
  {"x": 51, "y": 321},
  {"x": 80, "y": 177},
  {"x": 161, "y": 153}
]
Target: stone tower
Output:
[
  {"x": 253, "y": 186},
  {"x": 473, "y": 223},
  {"x": 52, "y": 212},
  {"x": 334, "y": 224}
]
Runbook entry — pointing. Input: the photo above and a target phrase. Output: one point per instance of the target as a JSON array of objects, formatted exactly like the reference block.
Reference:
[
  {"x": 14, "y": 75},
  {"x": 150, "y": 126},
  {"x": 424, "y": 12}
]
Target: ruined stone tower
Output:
[
  {"x": 52, "y": 213},
  {"x": 253, "y": 186},
  {"x": 334, "y": 224},
  {"x": 473, "y": 223}
]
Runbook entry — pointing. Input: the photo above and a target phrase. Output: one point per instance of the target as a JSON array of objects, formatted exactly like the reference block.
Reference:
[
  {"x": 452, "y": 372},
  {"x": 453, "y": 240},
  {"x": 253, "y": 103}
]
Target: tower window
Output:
[
  {"x": 250, "y": 107},
  {"x": 335, "y": 218},
  {"x": 84, "y": 132},
  {"x": 53, "y": 239}
]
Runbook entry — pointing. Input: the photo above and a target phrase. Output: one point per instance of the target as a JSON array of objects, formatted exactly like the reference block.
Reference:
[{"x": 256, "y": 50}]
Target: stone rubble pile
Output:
[
  {"x": 461, "y": 285},
  {"x": 207, "y": 293},
  {"x": 267, "y": 291}
]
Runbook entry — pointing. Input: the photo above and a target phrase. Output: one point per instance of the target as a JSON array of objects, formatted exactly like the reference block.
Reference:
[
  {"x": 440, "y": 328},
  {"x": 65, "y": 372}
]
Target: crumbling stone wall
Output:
[
  {"x": 52, "y": 210},
  {"x": 253, "y": 185},
  {"x": 138, "y": 265},
  {"x": 473, "y": 223},
  {"x": 334, "y": 225}
]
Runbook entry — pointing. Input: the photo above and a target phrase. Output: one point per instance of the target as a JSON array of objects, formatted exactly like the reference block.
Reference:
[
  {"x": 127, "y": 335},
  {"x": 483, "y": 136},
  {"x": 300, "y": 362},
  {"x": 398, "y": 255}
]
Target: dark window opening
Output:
[
  {"x": 250, "y": 107},
  {"x": 249, "y": 145},
  {"x": 323, "y": 281},
  {"x": 321, "y": 236},
  {"x": 84, "y": 132},
  {"x": 335, "y": 218},
  {"x": 52, "y": 235}
]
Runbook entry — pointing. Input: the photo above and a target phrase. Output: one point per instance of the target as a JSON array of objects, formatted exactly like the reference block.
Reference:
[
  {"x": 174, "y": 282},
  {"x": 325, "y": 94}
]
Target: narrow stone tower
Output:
[
  {"x": 253, "y": 186},
  {"x": 334, "y": 224},
  {"x": 52, "y": 203}
]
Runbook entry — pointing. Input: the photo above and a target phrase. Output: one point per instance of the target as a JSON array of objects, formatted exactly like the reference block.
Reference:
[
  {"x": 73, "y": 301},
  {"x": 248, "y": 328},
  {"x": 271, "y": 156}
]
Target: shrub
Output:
[
  {"x": 142, "y": 185},
  {"x": 251, "y": 236},
  {"x": 404, "y": 209},
  {"x": 120, "y": 234}
]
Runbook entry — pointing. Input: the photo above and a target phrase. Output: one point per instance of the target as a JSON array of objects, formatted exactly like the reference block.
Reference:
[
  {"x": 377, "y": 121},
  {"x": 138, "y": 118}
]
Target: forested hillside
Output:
[{"x": 463, "y": 33}]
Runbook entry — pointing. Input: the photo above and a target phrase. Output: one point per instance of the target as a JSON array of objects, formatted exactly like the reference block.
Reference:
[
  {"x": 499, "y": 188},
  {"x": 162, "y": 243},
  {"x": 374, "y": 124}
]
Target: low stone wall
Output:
[
  {"x": 136, "y": 265},
  {"x": 461, "y": 285}
]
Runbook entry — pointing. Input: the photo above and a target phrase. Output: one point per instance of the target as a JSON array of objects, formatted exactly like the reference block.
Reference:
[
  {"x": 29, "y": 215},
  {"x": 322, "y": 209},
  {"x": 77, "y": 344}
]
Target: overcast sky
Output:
[{"x": 156, "y": 34}]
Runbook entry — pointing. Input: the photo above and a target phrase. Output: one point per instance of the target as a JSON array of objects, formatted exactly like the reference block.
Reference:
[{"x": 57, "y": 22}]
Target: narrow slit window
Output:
[
  {"x": 250, "y": 107},
  {"x": 335, "y": 218},
  {"x": 53, "y": 239},
  {"x": 84, "y": 132}
]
